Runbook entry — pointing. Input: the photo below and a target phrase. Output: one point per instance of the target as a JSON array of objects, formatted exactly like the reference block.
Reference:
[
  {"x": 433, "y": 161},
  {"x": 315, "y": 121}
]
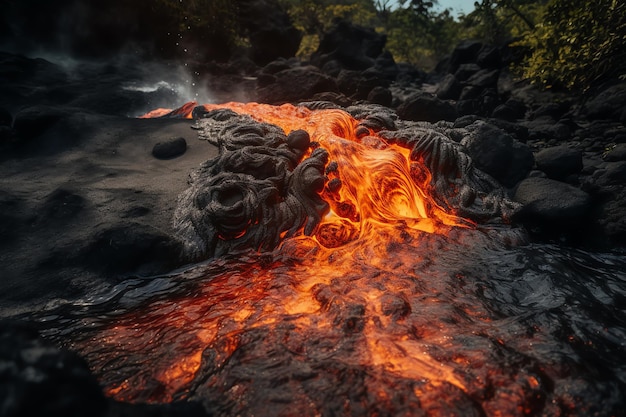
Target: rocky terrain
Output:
[{"x": 88, "y": 190}]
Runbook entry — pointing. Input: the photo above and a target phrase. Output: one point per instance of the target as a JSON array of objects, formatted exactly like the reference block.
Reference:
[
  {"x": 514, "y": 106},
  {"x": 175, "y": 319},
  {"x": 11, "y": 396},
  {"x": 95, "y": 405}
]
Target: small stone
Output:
[
  {"x": 299, "y": 139},
  {"x": 170, "y": 149}
]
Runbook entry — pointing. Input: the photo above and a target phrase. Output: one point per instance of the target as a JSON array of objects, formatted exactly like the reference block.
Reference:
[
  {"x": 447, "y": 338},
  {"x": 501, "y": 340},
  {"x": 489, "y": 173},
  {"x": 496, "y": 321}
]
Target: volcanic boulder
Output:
[
  {"x": 293, "y": 85},
  {"x": 464, "y": 53},
  {"x": 269, "y": 29},
  {"x": 550, "y": 203},
  {"x": 449, "y": 88},
  {"x": 559, "y": 162},
  {"x": 498, "y": 153},
  {"x": 424, "y": 107},
  {"x": 353, "y": 47},
  {"x": 607, "y": 104},
  {"x": 511, "y": 110}
]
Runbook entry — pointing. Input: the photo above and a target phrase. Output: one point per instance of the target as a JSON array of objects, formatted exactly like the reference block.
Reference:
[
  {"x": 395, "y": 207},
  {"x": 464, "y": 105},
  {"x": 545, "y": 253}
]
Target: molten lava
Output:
[
  {"x": 352, "y": 320},
  {"x": 378, "y": 184}
]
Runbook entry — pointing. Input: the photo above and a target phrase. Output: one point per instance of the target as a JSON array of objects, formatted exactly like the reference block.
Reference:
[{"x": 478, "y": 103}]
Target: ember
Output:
[{"x": 345, "y": 280}]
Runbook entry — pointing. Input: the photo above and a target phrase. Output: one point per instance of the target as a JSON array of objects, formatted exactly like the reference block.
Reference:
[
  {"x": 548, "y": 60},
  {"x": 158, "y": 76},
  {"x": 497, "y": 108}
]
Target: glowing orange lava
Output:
[
  {"x": 379, "y": 180},
  {"x": 271, "y": 334}
]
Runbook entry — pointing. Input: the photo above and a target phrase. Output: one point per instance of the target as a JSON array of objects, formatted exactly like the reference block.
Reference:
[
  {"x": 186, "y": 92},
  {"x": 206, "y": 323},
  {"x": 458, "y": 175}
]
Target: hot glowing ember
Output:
[{"x": 355, "y": 313}]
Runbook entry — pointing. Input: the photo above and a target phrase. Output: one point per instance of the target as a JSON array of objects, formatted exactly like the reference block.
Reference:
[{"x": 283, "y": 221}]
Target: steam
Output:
[
  {"x": 109, "y": 51},
  {"x": 185, "y": 84},
  {"x": 178, "y": 82}
]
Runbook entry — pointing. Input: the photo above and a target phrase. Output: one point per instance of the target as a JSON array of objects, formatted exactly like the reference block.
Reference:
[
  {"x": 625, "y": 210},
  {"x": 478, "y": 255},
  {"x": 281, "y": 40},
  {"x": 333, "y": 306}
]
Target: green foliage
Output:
[
  {"x": 578, "y": 43},
  {"x": 419, "y": 36},
  {"x": 415, "y": 34},
  {"x": 498, "y": 21},
  {"x": 569, "y": 43}
]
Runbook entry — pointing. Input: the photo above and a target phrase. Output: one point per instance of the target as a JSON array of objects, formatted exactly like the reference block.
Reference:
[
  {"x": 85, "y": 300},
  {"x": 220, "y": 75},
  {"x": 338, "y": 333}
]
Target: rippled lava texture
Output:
[
  {"x": 273, "y": 180},
  {"x": 354, "y": 274}
]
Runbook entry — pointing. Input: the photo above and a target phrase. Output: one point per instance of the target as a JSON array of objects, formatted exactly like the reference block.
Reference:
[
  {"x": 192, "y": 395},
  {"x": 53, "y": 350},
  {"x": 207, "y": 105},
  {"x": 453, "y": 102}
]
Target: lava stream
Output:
[{"x": 361, "y": 303}]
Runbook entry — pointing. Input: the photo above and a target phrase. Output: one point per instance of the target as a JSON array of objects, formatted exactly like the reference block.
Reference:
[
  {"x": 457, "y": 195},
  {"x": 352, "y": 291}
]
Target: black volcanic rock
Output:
[
  {"x": 511, "y": 110},
  {"x": 170, "y": 149},
  {"x": 275, "y": 66},
  {"x": 358, "y": 84},
  {"x": 559, "y": 162},
  {"x": 465, "y": 71},
  {"x": 470, "y": 92},
  {"x": 269, "y": 29},
  {"x": 551, "y": 203},
  {"x": 449, "y": 88},
  {"x": 550, "y": 110},
  {"x": 489, "y": 57},
  {"x": 464, "y": 53},
  {"x": 547, "y": 128},
  {"x": 617, "y": 153},
  {"x": 380, "y": 95},
  {"x": 614, "y": 173},
  {"x": 353, "y": 47},
  {"x": 484, "y": 79},
  {"x": 39, "y": 379},
  {"x": 607, "y": 104},
  {"x": 498, "y": 153},
  {"x": 386, "y": 66},
  {"x": 295, "y": 84},
  {"x": 424, "y": 107}
]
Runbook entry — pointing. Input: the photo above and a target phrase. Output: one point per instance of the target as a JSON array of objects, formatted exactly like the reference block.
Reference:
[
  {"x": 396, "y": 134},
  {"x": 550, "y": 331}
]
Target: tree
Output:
[
  {"x": 418, "y": 35},
  {"x": 577, "y": 44},
  {"x": 498, "y": 21}
]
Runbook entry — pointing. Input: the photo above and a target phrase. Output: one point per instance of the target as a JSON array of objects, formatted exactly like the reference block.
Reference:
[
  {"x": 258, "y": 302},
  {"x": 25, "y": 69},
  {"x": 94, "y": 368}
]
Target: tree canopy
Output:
[
  {"x": 571, "y": 44},
  {"x": 567, "y": 43}
]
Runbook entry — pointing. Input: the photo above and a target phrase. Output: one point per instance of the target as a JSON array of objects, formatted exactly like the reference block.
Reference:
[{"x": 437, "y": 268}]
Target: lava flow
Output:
[
  {"x": 371, "y": 314},
  {"x": 368, "y": 180}
]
